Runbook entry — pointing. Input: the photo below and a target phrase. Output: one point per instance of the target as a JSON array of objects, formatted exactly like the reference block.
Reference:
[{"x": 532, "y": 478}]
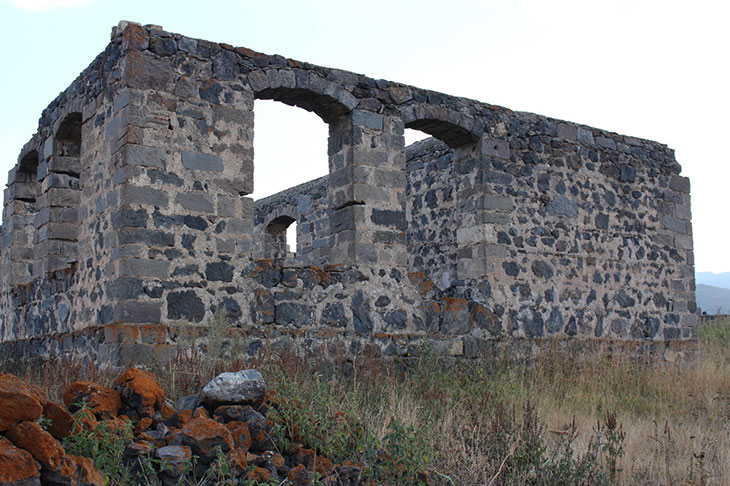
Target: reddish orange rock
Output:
[
  {"x": 323, "y": 466},
  {"x": 84, "y": 421},
  {"x": 200, "y": 412},
  {"x": 16, "y": 465},
  {"x": 237, "y": 461},
  {"x": 86, "y": 473},
  {"x": 142, "y": 425},
  {"x": 60, "y": 418},
  {"x": 184, "y": 416},
  {"x": 241, "y": 435},
  {"x": 58, "y": 467},
  {"x": 103, "y": 402},
  {"x": 140, "y": 390},
  {"x": 204, "y": 435},
  {"x": 19, "y": 401},
  {"x": 9, "y": 381},
  {"x": 42, "y": 446},
  {"x": 305, "y": 457},
  {"x": 173, "y": 431},
  {"x": 138, "y": 448},
  {"x": 299, "y": 476},
  {"x": 167, "y": 410},
  {"x": 259, "y": 475}
]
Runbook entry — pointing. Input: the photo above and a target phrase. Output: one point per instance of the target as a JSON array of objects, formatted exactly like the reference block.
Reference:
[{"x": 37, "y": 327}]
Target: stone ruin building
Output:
[{"x": 127, "y": 218}]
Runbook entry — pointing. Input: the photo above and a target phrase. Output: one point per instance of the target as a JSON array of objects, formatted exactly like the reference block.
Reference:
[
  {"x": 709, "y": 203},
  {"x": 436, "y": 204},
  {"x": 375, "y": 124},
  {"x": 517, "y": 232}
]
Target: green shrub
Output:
[{"x": 103, "y": 445}]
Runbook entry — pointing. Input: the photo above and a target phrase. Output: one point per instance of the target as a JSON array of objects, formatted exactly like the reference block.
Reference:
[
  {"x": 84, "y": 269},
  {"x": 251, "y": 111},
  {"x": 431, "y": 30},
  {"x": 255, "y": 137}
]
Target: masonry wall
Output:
[
  {"x": 578, "y": 232},
  {"x": 305, "y": 204},
  {"x": 134, "y": 196},
  {"x": 432, "y": 202},
  {"x": 57, "y": 239}
]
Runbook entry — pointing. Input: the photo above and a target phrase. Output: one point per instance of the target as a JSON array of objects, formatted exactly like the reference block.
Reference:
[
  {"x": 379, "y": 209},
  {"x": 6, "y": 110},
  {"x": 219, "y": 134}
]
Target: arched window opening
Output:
[
  {"x": 452, "y": 135},
  {"x": 290, "y": 149},
  {"x": 26, "y": 179},
  {"x": 59, "y": 231},
  {"x": 68, "y": 137},
  {"x": 275, "y": 238},
  {"x": 412, "y": 136}
]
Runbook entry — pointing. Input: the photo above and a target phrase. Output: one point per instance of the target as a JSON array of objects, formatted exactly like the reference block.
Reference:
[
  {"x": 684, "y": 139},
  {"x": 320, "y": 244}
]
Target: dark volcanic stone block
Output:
[{"x": 185, "y": 305}]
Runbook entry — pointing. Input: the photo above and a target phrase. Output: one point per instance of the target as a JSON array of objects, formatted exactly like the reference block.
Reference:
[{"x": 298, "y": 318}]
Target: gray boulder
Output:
[
  {"x": 189, "y": 402},
  {"x": 241, "y": 387},
  {"x": 175, "y": 459}
]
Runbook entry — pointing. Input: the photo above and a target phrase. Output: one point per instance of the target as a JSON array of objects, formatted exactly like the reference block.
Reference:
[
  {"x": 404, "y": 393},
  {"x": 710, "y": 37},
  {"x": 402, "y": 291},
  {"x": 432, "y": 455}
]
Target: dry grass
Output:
[{"x": 469, "y": 415}]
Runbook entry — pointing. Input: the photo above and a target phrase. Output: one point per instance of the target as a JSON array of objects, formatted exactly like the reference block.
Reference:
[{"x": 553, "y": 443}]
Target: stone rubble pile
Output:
[{"x": 225, "y": 424}]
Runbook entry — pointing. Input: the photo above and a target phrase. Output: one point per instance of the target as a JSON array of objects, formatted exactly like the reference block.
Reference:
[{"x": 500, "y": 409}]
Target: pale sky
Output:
[{"x": 656, "y": 69}]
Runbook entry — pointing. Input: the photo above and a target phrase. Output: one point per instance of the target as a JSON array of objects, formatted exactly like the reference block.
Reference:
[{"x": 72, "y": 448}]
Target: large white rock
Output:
[{"x": 241, "y": 387}]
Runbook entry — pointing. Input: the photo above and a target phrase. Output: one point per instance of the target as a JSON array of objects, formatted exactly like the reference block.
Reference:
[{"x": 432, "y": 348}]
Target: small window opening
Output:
[
  {"x": 68, "y": 137},
  {"x": 26, "y": 180},
  {"x": 277, "y": 239},
  {"x": 291, "y": 239}
]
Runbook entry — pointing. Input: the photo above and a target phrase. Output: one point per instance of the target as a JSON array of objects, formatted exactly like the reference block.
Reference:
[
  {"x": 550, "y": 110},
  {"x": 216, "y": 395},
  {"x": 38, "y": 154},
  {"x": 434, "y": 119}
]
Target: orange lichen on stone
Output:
[
  {"x": 419, "y": 280},
  {"x": 140, "y": 390},
  {"x": 19, "y": 401},
  {"x": 103, "y": 402},
  {"x": 299, "y": 476},
  {"x": 259, "y": 475},
  {"x": 306, "y": 457},
  {"x": 321, "y": 277},
  {"x": 60, "y": 418},
  {"x": 200, "y": 412},
  {"x": 203, "y": 435},
  {"x": 144, "y": 424},
  {"x": 237, "y": 460},
  {"x": 84, "y": 421},
  {"x": 118, "y": 426},
  {"x": 135, "y": 36},
  {"x": 44, "y": 448},
  {"x": 86, "y": 473},
  {"x": 16, "y": 465},
  {"x": 154, "y": 333},
  {"x": 121, "y": 333},
  {"x": 241, "y": 435},
  {"x": 184, "y": 416},
  {"x": 323, "y": 466},
  {"x": 454, "y": 304},
  {"x": 167, "y": 411}
]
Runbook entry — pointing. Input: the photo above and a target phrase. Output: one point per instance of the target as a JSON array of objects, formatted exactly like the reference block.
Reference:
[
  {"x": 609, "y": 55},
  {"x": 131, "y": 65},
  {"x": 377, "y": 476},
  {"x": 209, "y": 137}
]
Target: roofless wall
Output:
[{"x": 129, "y": 214}]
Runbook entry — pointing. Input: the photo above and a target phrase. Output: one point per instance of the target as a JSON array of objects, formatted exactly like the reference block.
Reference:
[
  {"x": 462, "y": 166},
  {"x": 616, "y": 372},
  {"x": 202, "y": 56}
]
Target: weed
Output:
[
  {"x": 103, "y": 444},
  {"x": 481, "y": 422}
]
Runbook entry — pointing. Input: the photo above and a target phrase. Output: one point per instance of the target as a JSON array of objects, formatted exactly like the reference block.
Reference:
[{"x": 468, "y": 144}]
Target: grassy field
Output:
[{"x": 560, "y": 420}]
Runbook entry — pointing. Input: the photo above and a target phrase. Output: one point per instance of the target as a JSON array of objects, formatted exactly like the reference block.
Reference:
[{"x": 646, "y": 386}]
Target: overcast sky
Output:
[{"x": 656, "y": 69}]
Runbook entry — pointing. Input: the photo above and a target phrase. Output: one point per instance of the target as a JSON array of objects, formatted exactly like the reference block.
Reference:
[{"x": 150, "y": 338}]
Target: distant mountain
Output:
[
  {"x": 713, "y": 300},
  {"x": 714, "y": 279}
]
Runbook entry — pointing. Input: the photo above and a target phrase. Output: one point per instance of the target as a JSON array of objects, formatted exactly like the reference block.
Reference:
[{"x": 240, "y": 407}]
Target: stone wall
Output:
[
  {"x": 130, "y": 210},
  {"x": 305, "y": 204},
  {"x": 430, "y": 209},
  {"x": 575, "y": 232}
]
